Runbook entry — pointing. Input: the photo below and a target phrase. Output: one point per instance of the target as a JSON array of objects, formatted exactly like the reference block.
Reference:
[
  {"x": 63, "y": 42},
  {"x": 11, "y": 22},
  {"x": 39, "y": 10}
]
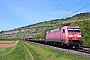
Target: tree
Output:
[{"x": 48, "y": 29}]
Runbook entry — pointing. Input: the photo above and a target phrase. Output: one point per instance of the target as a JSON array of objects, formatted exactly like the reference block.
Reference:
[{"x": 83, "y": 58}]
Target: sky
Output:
[{"x": 19, "y": 13}]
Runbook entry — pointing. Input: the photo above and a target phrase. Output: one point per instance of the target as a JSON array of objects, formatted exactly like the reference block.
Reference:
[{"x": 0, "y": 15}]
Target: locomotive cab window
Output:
[
  {"x": 73, "y": 30},
  {"x": 76, "y": 30},
  {"x": 70, "y": 29},
  {"x": 63, "y": 30}
]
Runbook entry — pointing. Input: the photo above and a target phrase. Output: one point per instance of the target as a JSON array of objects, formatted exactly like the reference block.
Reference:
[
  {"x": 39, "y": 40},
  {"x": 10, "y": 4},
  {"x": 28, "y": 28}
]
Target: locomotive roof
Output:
[
  {"x": 61, "y": 27},
  {"x": 55, "y": 30}
]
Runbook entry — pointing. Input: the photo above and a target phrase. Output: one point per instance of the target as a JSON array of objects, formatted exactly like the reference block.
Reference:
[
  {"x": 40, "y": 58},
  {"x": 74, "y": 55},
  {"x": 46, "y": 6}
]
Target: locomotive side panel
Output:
[{"x": 56, "y": 36}]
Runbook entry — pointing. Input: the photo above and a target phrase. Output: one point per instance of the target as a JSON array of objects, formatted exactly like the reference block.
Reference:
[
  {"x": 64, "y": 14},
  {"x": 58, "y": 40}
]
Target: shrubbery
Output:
[
  {"x": 8, "y": 39},
  {"x": 42, "y": 35},
  {"x": 85, "y": 30}
]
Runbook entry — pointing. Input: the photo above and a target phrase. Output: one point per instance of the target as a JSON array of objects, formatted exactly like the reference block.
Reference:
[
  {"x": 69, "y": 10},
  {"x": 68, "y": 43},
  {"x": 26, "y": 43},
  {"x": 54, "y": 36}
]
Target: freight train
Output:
[{"x": 66, "y": 36}]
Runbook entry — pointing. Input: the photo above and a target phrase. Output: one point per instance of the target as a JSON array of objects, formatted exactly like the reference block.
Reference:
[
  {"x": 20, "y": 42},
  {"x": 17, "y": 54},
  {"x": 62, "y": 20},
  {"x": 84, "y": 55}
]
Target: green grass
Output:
[
  {"x": 36, "y": 55},
  {"x": 15, "y": 53},
  {"x": 52, "y": 54},
  {"x": 19, "y": 52},
  {"x": 9, "y": 39}
]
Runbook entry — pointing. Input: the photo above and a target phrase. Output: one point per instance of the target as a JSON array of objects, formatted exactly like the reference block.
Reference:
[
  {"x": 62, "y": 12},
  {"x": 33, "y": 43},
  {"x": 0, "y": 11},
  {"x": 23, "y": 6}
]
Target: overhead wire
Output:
[
  {"x": 77, "y": 10},
  {"x": 69, "y": 9},
  {"x": 75, "y": 5},
  {"x": 72, "y": 7},
  {"x": 55, "y": 9}
]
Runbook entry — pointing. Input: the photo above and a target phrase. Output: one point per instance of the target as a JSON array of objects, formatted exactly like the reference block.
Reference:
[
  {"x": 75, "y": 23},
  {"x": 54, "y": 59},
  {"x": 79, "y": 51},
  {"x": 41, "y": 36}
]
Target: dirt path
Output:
[
  {"x": 7, "y": 45},
  {"x": 28, "y": 51}
]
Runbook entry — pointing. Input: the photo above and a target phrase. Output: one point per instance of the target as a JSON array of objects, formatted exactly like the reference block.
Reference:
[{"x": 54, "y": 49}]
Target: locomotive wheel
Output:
[
  {"x": 76, "y": 46},
  {"x": 64, "y": 46}
]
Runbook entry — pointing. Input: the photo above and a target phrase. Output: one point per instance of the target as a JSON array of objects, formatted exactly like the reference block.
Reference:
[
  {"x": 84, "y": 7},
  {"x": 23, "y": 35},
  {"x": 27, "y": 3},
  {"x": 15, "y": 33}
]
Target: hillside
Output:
[
  {"x": 42, "y": 26},
  {"x": 38, "y": 30}
]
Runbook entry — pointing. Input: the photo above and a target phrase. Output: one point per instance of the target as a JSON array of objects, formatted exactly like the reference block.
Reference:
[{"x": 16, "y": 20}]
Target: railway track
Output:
[
  {"x": 81, "y": 52},
  {"x": 84, "y": 49}
]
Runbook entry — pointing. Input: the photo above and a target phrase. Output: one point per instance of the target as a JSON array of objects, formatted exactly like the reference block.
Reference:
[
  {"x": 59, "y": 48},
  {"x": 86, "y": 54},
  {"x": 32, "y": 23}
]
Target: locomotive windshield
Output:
[{"x": 73, "y": 30}]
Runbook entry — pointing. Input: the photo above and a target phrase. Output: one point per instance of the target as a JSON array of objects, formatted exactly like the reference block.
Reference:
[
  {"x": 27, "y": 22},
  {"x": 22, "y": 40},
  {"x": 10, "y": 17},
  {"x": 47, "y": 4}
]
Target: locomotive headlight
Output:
[
  {"x": 78, "y": 35},
  {"x": 70, "y": 35}
]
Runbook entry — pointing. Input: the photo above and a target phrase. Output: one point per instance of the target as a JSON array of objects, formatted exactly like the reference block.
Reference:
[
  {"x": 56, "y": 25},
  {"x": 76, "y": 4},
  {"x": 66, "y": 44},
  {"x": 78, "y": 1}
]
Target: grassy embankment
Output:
[{"x": 44, "y": 53}]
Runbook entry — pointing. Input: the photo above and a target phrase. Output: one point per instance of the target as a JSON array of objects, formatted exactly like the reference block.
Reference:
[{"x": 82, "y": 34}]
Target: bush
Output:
[{"x": 85, "y": 30}]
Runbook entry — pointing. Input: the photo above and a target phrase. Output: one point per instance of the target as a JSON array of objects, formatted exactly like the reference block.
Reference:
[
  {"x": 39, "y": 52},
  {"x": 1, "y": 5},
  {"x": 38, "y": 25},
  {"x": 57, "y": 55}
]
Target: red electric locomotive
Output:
[{"x": 66, "y": 36}]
